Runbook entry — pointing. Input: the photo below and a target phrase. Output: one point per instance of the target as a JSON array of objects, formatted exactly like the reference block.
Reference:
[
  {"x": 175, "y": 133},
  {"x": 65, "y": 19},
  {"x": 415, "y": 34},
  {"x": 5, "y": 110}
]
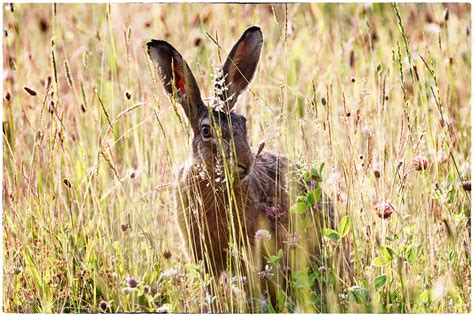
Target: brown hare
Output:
[{"x": 233, "y": 203}]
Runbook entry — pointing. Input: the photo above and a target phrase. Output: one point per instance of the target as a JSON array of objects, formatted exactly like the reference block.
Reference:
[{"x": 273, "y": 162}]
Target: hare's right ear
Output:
[{"x": 176, "y": 77}]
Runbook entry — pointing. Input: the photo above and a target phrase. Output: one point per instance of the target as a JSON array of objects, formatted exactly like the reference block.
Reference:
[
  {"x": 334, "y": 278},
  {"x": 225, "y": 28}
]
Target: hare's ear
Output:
[
  {"x": 176, "y": 77},
  {"x": 240, "y": 66}
]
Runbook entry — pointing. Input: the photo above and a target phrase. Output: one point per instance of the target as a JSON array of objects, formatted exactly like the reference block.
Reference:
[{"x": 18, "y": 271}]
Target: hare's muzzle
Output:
[{"x": 243, "y": 171}]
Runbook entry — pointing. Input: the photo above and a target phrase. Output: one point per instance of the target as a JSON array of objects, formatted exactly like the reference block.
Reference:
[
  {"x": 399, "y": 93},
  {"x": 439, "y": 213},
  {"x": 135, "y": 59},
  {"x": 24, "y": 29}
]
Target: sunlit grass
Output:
[{"x": 379, "y": 94}]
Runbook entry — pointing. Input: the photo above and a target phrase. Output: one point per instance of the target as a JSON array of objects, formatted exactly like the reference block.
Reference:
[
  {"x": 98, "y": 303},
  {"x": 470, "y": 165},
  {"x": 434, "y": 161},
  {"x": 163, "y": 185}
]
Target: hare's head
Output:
[{"x": 218, "y": 131}]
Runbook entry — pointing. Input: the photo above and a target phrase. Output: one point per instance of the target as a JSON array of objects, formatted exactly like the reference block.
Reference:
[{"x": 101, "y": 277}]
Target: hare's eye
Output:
[{"x": 206, "y": 131}]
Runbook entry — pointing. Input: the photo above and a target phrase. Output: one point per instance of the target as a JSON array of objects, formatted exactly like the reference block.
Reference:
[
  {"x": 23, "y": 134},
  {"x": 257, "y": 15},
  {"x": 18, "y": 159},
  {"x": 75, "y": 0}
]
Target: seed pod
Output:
[
  {"x": 67, "y": 183},
  {"x": 7, "y": 96},
  {"x": 466, "y": 186},
  {"x": 446, "y": 15},
  {"x": 128, "y": 95},
  {"x": 377, "y": 173},
  {"x": 30, "y": 91},
  {"x": 167, "y": 254}
]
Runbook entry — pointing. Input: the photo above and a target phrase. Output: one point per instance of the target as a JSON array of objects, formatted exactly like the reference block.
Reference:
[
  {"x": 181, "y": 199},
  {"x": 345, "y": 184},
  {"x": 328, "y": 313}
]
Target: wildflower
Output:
[
  {"x": 420, "y": 163},
  {"x": 334, "y": 178},
  {"x": 292, "y": 240},
  {"x": 103, "y": 305},
  {"x": 384, "y": 210},
  {"x": 442, "y": 158},
  {"x": 262, "y": 234},
  {"x": 166, "y": 308},
  {"x": 432, "y": 28},
  {"x": 169, "y": 273},
  {"x": 367, "y": 132},
  {"x": 466, "y": 185},
  {"x": 208, "y": 298},
  {"x": 275, "y": 212},
  {"x": 127, "y": 290},
  {"x": 17, "y": 270},
  {"x": 131, "y": 282},
  {"x": 146, "y": 289},
  {"x": 343, "y": 296},
  {"x": 266, "y": 273},
  {"x": 439, "y": 290},
  {"x": 239, "y": 278}
]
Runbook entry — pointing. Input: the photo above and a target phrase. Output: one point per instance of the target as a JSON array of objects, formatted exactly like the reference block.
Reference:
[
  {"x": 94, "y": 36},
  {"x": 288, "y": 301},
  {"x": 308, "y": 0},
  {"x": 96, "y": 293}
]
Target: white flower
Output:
[
  {"x": 432, "y": 28},
  {"x": 164, "y": 309},
  {"x": 169, "y": 273},
  {"x": 439, "y": 290},
  {"x": 262, "y": 234}
]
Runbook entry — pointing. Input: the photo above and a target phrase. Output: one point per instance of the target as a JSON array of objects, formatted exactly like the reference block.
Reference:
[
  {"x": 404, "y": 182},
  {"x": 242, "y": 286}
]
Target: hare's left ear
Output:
[{"x": 240, "y": 66}]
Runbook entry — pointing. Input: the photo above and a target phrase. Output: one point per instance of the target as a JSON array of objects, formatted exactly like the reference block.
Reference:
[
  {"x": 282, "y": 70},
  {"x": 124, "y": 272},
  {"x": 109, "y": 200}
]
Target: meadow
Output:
[{"x": 379, "y": 94}]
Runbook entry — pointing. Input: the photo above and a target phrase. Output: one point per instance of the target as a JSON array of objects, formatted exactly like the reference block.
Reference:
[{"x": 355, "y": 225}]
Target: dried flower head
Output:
[
  {"x": 262, "y": 234},
  {"x": 103, "y": 305},
  {"x": 167, "y": 254},
  {"x": 266, "y": 273},
  {"x": 466, "y": 185},
  {"x": 275, "y": 212},
  {"x": 146, "y": 289},
  {"x": 17, "y": 270},
  {"x": 132, "y": 282},
  {"x": 420, "y": 163},
  {"x": 292, "y": 240},
  {"x": 239, "y": 278},
  {"x": 384, "y": 210}
]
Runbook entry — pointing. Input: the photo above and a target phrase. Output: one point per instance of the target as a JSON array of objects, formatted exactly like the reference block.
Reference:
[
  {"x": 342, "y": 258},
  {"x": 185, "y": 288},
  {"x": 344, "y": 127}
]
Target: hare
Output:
[{"x": 229, "y": 197}]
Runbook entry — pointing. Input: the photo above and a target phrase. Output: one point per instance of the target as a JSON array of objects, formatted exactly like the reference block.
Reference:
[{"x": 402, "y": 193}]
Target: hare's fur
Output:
[{"x": 227, "y": 193}]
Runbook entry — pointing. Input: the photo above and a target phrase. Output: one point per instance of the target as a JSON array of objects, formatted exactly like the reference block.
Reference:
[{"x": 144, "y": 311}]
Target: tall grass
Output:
[{"x": 378, "y": 93}]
